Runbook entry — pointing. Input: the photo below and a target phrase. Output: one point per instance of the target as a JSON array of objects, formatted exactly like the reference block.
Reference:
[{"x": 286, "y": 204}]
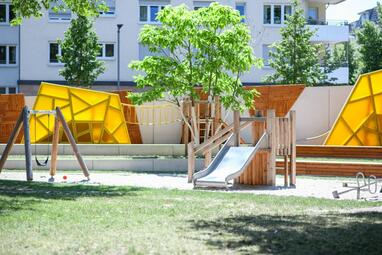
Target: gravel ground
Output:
[{"x": 319, "y": 187}]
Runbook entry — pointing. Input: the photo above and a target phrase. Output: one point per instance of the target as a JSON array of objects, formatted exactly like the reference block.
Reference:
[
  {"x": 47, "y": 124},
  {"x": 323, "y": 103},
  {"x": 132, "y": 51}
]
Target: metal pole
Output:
[
  {"x": 27, "y": 145},
  {"x": 119, "y": 26}
]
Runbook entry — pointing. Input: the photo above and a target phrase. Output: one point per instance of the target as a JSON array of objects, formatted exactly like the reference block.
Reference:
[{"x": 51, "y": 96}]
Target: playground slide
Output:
[{"x": 228, "y": 164}]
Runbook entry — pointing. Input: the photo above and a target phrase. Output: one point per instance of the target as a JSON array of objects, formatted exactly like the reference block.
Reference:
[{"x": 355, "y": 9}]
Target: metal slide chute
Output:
[{"x": 228, "y": 164}]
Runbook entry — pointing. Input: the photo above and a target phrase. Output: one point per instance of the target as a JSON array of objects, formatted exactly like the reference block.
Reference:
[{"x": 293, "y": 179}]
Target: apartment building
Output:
[
  {"x": 39, "y": 48},
  {"x": 9, "y": 50}
]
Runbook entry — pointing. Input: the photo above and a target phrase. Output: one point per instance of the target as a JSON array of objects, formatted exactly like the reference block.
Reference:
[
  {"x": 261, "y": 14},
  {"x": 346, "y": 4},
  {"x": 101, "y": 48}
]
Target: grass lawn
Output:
[{"x": 40, "y": 218}]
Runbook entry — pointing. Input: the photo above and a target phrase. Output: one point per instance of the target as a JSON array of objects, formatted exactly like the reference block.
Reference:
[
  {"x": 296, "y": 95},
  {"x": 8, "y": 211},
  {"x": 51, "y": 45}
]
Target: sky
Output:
[{"x": 349, "y": 9}]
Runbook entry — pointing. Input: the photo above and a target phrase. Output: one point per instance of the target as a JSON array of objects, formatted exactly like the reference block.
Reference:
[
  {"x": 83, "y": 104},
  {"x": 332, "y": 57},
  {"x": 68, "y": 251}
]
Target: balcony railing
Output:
[{"x": 327, "y": 22}]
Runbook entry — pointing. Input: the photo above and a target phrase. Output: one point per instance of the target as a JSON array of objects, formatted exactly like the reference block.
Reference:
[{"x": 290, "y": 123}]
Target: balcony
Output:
[
  {"x": 326, "y": 1},
  {"x": 329, "y": 31}
]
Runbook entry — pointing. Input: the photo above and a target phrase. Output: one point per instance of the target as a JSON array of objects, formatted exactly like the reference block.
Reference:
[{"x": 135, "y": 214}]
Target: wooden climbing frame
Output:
[{"x": 23, "y": 121}]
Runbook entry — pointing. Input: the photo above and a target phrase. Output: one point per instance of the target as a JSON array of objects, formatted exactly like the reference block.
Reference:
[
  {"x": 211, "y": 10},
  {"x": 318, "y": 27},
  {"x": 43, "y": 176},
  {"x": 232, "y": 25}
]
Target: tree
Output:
[
  {"x": 369, "y": 39},
  {"x": 353, "y": 62},
  {"x": 36, "y": 8},
  {"x": 295, "y": 58},
  {"x": 209, "y": 48},
  {"x": 333, "y": 59},
  {"x": 80, "y": 49}
]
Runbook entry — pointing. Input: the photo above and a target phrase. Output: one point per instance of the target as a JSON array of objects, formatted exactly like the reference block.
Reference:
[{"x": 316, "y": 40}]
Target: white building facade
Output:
[{"x": 38, "y": 37}]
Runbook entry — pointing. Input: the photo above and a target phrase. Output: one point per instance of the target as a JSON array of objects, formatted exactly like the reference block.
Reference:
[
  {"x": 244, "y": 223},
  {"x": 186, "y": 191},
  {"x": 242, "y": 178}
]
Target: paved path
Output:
[{"x": 306, "y": 186}]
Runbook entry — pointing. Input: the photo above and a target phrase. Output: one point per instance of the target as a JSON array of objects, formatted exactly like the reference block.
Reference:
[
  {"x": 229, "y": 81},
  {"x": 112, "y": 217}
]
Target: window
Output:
[
  {"x": 8, "y": 90},
  {"x": 11, "y": 13},
  {"x": 8, "y": 55},
  {"x": 241, "y": 8},
  {"x": 266, "y": 54},
  {"x": 6, "y": 13},
  {"x": 60, "y": 16},
  {"x": 3, "y": 13},
  {"x": 143, "y": 13},
  {"x": 267, "y": 14},
  {"x": 287, "y": 11},
  {"x": 313, "y": 13},
  {"x": 201, "y": 4},
  {"x": 148, "y": 10},
  {"x": 276, "y": 14},
  {"x": 111, "y": 5},
  {"x": 106, "y": 51},
  {"x": 54, "y": 53},
  {"x": 12, "y": 90}
]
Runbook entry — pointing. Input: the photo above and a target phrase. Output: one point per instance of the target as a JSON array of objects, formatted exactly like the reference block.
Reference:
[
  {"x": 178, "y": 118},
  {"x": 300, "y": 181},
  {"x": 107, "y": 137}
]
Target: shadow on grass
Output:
[
  {"x": 358, "y": 233},
  {"x": 62, "y": 191}
]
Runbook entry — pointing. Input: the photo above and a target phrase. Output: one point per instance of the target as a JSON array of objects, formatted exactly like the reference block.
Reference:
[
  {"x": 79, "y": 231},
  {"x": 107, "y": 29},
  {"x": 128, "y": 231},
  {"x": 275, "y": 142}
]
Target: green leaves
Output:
[
  {"x": 80, "y": 49},
  {"x": 209, "y": 48},
  {"x": 295, "y": 58},
  {"x": 35, "y": 8}
]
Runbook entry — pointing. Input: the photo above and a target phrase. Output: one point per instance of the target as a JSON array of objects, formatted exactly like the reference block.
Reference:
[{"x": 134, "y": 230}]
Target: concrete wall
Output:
[{"x": 317, "y": 109}]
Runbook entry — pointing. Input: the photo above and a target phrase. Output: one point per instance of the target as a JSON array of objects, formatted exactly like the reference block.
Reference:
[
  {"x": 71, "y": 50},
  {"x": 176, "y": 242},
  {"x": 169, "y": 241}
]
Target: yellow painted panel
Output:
[
  {"x": 376, "y": 82},
  {"x": 378, "y": 103},
  {"x": 50, "y": 89},
  {"x": 362, "y": 90},
  {"x": 93, "y": 116},
  {"x": 362, "y": 113},
  {"x": 356, "y": 113}
]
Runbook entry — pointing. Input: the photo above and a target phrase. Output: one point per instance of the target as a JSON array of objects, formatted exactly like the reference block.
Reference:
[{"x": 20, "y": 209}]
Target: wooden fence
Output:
[{"x": 10, "y": 108}]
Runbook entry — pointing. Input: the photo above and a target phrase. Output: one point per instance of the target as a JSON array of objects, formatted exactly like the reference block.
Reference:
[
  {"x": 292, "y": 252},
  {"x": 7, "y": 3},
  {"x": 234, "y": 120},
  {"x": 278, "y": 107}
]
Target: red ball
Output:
[{"x": 65, "y": 177}]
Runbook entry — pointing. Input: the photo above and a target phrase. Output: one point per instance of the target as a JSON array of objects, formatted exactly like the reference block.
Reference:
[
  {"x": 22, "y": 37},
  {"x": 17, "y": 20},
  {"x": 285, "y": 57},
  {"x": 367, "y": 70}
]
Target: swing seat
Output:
[{"x": 44, "y": 163}]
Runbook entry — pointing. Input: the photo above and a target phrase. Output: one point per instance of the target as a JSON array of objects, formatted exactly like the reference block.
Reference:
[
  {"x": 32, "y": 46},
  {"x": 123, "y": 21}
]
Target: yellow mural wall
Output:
[
  {"x": 93, "y": 116},
  {"x": 360, "y": 121}
]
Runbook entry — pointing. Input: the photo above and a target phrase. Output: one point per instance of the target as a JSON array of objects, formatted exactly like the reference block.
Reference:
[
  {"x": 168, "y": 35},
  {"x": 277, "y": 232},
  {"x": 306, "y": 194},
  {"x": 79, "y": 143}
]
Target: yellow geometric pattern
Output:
[
  {"x": 360, "y": 121},
  {"x": 93, "y": 116}
]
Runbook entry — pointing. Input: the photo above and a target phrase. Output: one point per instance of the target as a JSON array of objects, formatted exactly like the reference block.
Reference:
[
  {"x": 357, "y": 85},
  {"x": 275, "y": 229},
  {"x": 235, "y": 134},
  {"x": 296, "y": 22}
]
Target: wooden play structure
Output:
[
  {"x": 24, "y": 121},
  {"x": 11, "y": 106},
  {"x": 279, "y": 130},
  {"x": 259, "y": 168}
]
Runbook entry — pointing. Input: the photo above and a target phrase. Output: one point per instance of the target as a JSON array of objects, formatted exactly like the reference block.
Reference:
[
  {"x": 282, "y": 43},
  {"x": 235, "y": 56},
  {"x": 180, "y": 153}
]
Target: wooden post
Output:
[
  {"x": 236, "y": 127},
  {"x": 191, "y": 161},
  {"x": 27, "y": 145},
  {"x": 12, "y": 140},
  {"x": 286, "y": 167},
  {"x": 271, "y": 126},
  {"x": 56, "y": 136},
  {"x": 292, "y": 119},
  {"x": 207, "y": 158},
  {"x": 217, "y": 114},
  {"x": 72, "y": 142}
]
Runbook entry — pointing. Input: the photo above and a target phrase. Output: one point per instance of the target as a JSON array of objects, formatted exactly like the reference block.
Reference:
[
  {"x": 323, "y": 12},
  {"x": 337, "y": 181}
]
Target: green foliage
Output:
[
  {"x": 369, "y": 38},
  {"x": 35, "y": 8},
  {"x": 332, "y": 60},
  {"x": 79, "y": 53},
  {"x": 353, "y": 62},
  {"x": 209, "y": 48},
  {"x": 294, "y": 58}
]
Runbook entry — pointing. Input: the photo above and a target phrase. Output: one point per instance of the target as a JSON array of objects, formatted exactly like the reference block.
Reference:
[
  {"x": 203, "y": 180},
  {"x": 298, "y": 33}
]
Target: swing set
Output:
[{"x": 59, "y": 120}]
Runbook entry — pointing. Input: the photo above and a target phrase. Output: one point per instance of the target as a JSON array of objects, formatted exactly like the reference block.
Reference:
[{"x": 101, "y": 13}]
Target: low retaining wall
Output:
[
  {"x": 335, "y": 168},
  {"x": 105, "y": 149},
  {"x": 374, "y": 152}
]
